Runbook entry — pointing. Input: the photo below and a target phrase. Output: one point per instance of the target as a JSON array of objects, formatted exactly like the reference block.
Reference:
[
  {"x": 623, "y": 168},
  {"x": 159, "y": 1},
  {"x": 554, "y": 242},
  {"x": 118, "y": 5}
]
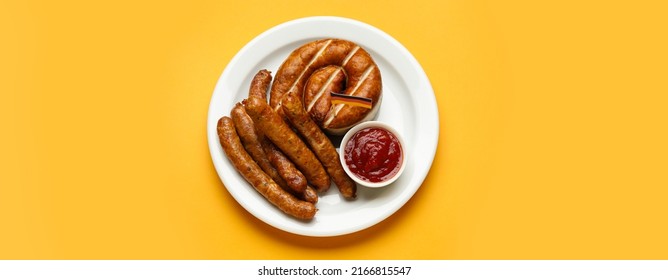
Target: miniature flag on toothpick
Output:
[{"x": 338, "y": 98}]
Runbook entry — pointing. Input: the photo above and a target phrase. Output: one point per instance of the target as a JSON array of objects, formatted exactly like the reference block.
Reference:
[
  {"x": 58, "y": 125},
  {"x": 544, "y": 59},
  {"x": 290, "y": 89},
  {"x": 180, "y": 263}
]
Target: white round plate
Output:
[{"x": 409, "y": 105}]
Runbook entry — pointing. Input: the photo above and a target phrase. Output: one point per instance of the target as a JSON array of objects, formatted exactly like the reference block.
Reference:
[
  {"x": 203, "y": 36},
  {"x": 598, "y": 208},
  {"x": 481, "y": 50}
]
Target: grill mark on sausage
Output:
[
  {"x": 350, "y": 55},
  {"x": 313, "y": 59},
  {"x": 338, "y": 107},
  {"x": 322, "y": 89}
]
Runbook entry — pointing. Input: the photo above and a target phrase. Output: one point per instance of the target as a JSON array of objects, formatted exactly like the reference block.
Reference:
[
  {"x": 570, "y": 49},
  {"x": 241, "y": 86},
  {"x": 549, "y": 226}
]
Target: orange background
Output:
[{"x": 552, "y": 143}]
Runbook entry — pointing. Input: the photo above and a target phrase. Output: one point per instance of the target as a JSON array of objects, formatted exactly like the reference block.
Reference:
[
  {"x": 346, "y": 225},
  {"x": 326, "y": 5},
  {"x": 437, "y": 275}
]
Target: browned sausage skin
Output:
[
  {"x": 252, "y": 143},
  {"x": 310, "y": 195},
  {"x": 245, "y": 165},
  {"x": 321, "y": 145},
  {"x": 285, "y": 168},
  {"x": 294, "y": 179},
  {"x": 364, "y": 79},
  {"x": 317, "y": 91},
  {"x": 280, "y": 133},
  {"x": 260, "y": 84}
]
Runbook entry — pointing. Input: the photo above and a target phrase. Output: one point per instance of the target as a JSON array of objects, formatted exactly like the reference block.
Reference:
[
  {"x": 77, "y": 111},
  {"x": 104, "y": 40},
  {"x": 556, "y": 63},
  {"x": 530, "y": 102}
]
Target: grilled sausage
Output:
[
  {"x": 286, "y": 169},
  {"x": 364, "y": 79},
  {"x": 278, "y": 165},
  {"x": 309, "y": 195},
  {"x": 260, "y": 84},
  {"x": 317, "y": 98},
  {"x": 321, "y": 145},
  {"x": 245, "y": 165},
  {"x": 280, "y": 133},
  {"x": 251, "y": 142}
]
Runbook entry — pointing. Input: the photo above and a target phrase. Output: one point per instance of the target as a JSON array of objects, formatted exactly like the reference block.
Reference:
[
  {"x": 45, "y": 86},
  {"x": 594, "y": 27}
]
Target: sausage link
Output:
[
  {"x": 252, "y": 143},
  {"x": 310, "y": 195},
  {"x": 294, "y": 178},
  {"x": 260, "y": 84},
  {"x": 245, "y": 165},
  {"x": 317, "y": 98},
  {"x": 274, "y": 127},
  {"x": 321, "y": 145}
]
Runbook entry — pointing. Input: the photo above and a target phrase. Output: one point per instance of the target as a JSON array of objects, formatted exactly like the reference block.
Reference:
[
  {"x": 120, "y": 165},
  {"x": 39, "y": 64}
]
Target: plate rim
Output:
[{"x": 429, "y": 100}]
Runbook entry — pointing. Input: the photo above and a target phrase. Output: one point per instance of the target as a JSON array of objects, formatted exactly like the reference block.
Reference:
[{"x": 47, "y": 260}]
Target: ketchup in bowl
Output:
[{"x": 374, "y": 154}]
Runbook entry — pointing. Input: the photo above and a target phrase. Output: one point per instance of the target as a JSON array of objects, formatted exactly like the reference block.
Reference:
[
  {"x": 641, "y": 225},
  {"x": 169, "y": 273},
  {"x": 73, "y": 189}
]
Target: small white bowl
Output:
[{"x": 352, "y": 132}]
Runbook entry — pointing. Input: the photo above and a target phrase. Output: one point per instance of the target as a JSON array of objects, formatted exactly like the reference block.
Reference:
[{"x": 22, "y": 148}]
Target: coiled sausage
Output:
[
  {"x": 251, "y": 142},
  {"x": 363, "y": 80}
]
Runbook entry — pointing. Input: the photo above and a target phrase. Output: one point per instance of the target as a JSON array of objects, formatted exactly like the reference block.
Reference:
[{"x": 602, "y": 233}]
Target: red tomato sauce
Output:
[{"x": 373, "y": 154}]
